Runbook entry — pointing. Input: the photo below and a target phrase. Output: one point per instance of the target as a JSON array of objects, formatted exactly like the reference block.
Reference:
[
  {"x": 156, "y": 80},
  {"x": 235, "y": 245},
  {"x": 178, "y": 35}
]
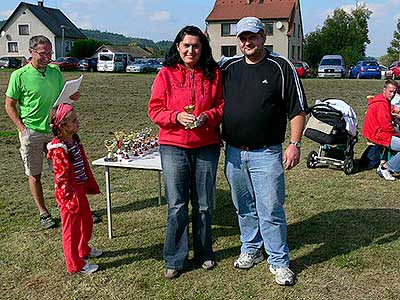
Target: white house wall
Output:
[
  {"x": 296, "y": 39},
  {"x": 36, "y": 27}
]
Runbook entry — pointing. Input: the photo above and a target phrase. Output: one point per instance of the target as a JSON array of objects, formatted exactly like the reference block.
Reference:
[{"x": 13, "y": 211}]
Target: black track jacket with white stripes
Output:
[{"x": 259, "y": 99}]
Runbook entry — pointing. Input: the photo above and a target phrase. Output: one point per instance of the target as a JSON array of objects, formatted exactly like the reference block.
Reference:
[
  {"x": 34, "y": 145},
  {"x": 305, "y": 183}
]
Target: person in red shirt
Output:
[
  {"x": 186, "y": 103},
  {"x": 379, "y": 128},
  {"x": 73, "y": 179}
]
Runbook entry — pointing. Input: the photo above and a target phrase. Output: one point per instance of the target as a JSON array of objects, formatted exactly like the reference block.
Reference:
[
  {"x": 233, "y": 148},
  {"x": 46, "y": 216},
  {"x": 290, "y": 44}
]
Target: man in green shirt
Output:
[{"x": 31, "y": 93}]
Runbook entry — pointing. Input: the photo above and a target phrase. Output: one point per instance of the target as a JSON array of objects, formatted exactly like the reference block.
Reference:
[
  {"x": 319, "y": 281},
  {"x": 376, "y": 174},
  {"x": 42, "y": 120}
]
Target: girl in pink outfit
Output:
[{"x": 73, "y": 179}]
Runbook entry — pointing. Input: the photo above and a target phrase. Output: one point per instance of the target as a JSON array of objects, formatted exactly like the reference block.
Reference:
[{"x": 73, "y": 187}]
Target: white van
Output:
[
  {"x": 332, "y": 66},
  {"x": 113, "y": 62}
]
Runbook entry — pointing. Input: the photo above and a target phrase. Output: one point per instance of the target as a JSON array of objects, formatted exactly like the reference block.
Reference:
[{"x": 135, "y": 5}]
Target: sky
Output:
[{"x": 162, "y": 19}]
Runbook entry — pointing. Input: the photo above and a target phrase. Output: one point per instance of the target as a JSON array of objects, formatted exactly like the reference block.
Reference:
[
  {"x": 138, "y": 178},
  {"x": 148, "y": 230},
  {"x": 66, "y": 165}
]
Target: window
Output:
[
  {"x": 12, "y": 46},
  {"x": 228, "y": 29},
  {"x": 294, "y": 29},
  {"x": 269, "y": 28},
  {"x": 293, "y": 51},
  {"x": 299, "y": 31},
  {"x": 68, "y": 46},
  {"x": 23, "y": 29},
  {"x": 270, "y": 48},
  {"x": 298, "y": 52},
  {"x": 228, "y": 51}
]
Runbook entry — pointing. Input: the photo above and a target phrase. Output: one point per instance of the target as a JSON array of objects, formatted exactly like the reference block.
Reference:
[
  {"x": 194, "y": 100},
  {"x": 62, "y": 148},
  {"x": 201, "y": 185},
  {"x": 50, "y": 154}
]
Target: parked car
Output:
[
  {"x": 10, "y": 62},
  {"x": 303, "y": 69},
  {"x": 88, "y": 64},
  {"x": 143, "y": 66},
  {"x": 395, "y": 68},
  {"x": 366, "y": 69},
  {"x": 66, "y": 63},
  {"x": 332, "y": 66},
  {"x": 385, "y": 72}
]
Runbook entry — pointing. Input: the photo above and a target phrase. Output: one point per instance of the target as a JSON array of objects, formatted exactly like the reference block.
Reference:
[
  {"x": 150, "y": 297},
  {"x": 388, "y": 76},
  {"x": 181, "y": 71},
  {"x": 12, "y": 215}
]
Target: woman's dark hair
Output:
[{"x": 206, "y": 62}]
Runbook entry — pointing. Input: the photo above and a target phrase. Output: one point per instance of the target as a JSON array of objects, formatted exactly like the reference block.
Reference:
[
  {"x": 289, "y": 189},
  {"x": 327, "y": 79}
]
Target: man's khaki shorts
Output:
[{"x": 33, "y": 149}]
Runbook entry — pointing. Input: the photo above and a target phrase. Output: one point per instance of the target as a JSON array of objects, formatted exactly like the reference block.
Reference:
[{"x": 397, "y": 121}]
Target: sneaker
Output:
[
  {"x": 283, "y": 276},
  {"x": 96, "y": 219},
  {"x": 385, "y": 173},
  {"x": 248, "y": 259},
  {"x": 89, "y": 268},
  {"x": 46, "y": 221},
  {"x": 94, "y": 253},
  {"x": 208, "y": 265},
  {"x": 171, "y": 273}
]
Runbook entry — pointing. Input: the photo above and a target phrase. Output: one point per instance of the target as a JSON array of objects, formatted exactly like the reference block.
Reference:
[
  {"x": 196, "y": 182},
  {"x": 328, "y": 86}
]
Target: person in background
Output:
[
  {"x": 73, "y": 179},
  {"x": 261, "y": 92},
  {"x": 31, "y": 92},
  {"x": 380, "y": 129},
  {"x": 186, "y": 103}
]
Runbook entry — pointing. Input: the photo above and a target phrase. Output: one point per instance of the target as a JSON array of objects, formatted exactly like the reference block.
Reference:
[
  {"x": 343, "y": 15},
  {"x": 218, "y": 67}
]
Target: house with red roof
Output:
[{"x": 282, "y": 19}]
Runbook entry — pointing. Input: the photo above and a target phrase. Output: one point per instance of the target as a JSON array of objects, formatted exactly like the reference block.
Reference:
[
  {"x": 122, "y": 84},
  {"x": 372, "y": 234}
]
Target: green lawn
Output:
[{"x": 343, "y": 230}]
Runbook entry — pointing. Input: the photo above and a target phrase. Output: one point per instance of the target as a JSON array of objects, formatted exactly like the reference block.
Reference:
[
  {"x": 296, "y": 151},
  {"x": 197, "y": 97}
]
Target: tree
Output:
[
  {"x": 85, "y": 48},
  {"x": 342, "y": 33},
  {"x": 393, "y": 51}
]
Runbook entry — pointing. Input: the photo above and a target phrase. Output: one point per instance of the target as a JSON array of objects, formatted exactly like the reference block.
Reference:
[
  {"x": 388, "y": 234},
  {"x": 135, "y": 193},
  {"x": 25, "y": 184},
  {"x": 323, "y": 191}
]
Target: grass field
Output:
[{"x": 343, "y": 230}]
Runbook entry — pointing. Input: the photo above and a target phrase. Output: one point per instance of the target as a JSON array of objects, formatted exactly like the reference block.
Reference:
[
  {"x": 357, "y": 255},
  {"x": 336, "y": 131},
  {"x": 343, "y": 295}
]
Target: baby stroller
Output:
[{"x": 332, "y": 124}]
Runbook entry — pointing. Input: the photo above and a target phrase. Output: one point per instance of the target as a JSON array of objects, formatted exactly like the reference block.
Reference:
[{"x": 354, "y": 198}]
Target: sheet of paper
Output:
[{"x": 70, "y": 88}]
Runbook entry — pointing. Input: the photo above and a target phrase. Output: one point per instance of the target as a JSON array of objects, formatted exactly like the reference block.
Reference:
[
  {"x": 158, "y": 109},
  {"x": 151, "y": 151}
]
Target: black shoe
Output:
[
  {"x": 96, "y": 219},
  {"x": 46, "y": 221}
]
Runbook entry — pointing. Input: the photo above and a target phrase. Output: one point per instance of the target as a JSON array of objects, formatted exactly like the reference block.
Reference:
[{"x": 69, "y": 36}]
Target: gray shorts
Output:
[{"x": 33, "y": 149}]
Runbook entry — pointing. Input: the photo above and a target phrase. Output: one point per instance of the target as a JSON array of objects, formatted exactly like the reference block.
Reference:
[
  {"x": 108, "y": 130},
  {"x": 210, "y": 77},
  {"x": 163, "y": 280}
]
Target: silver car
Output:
[{"x": 143, "y": 66}]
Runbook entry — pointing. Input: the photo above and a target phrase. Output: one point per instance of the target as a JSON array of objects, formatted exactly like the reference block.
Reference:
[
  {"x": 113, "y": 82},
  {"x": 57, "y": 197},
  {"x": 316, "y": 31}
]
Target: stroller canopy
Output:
[{"x": 348, "y": 113}]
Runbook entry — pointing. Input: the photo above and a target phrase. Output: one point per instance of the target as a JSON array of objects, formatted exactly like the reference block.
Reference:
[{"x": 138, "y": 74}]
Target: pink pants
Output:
[{"x": 76, "y": 232}]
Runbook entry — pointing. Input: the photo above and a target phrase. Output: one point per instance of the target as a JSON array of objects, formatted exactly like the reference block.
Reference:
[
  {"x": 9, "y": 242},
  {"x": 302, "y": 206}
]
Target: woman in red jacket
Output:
[{"x": 186, "y": 103}]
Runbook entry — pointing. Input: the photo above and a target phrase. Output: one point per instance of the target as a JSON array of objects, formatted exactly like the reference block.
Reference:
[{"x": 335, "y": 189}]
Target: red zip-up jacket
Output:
[
  {"x": 64, "y": 178},
  {"x": 378, "y": 126},
  {"x": 173, "y": 88}
]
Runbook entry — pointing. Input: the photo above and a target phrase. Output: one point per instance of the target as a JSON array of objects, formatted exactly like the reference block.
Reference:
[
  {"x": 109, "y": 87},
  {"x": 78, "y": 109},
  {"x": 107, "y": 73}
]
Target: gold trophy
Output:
[
  {"x": 189, "y": 109},
  {"x": 110, "y": 145}
]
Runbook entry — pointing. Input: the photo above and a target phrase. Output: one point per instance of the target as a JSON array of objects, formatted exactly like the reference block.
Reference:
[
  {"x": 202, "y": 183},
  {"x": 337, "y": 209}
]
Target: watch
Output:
[{"x": 297, "y": 144}]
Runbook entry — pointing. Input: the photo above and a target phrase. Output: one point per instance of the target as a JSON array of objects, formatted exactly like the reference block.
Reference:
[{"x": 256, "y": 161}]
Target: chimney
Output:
[{"x": 40, "y": 3}]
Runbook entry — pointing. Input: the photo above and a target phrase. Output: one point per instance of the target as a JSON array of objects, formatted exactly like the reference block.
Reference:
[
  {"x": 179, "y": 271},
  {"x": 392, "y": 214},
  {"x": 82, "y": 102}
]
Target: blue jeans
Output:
[
  {"x": 394, "y": 161},
  {"x": 257, "y": 183},
  {"x": 188, "y": 174}
]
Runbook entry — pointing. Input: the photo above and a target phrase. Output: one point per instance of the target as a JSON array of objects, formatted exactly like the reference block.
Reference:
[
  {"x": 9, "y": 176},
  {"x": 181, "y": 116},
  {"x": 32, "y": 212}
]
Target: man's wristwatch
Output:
[{"x": 297, "y": 144}]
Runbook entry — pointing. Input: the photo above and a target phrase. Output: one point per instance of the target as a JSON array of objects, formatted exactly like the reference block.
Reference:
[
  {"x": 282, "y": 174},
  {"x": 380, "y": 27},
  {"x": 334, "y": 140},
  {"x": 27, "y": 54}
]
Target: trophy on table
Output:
[
  {"x": 119, "y": 136},
  {"x": 189, "y": 109},
  {"x": 127, "y": 142},
  {"x": 110, "y": 145}
]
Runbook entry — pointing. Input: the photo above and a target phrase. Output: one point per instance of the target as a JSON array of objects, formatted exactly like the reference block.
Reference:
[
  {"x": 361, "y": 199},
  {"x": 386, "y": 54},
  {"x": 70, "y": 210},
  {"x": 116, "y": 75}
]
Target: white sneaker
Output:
[
  {"x": 89, "y": 268},
  {"x": 94, "y": 253},
  {"x": 283, "y": 276},
  {"x": 385, "y": 173},
  {"x": 248, "y": 259}
]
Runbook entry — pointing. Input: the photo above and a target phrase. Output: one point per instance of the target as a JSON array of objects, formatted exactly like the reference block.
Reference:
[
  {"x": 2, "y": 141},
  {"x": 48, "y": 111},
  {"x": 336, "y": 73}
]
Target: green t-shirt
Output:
[{"x": 35, "y": 94}]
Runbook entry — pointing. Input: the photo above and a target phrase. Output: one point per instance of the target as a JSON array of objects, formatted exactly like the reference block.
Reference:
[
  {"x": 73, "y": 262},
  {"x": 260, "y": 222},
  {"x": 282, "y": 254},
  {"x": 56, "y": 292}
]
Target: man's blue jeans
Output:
[
  {"x": 257, "y": 183},
  {"x": 188, "y": 174},
  {"x": 394, "y": 162}
]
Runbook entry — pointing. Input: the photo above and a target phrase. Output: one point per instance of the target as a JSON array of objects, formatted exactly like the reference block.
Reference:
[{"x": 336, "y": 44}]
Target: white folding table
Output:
[{"x": 149, "y": 161}]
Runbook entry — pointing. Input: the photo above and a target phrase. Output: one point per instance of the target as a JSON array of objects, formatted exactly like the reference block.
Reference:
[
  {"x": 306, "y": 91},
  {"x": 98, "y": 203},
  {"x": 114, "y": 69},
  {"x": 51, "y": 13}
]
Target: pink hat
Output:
[{"x": 62, "y": 111}]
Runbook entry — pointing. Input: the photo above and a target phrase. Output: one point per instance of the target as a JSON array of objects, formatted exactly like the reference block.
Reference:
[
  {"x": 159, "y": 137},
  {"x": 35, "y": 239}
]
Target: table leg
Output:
[
  {"x": 108, "y": 196},
  {"x": 159, "y": 187}
]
